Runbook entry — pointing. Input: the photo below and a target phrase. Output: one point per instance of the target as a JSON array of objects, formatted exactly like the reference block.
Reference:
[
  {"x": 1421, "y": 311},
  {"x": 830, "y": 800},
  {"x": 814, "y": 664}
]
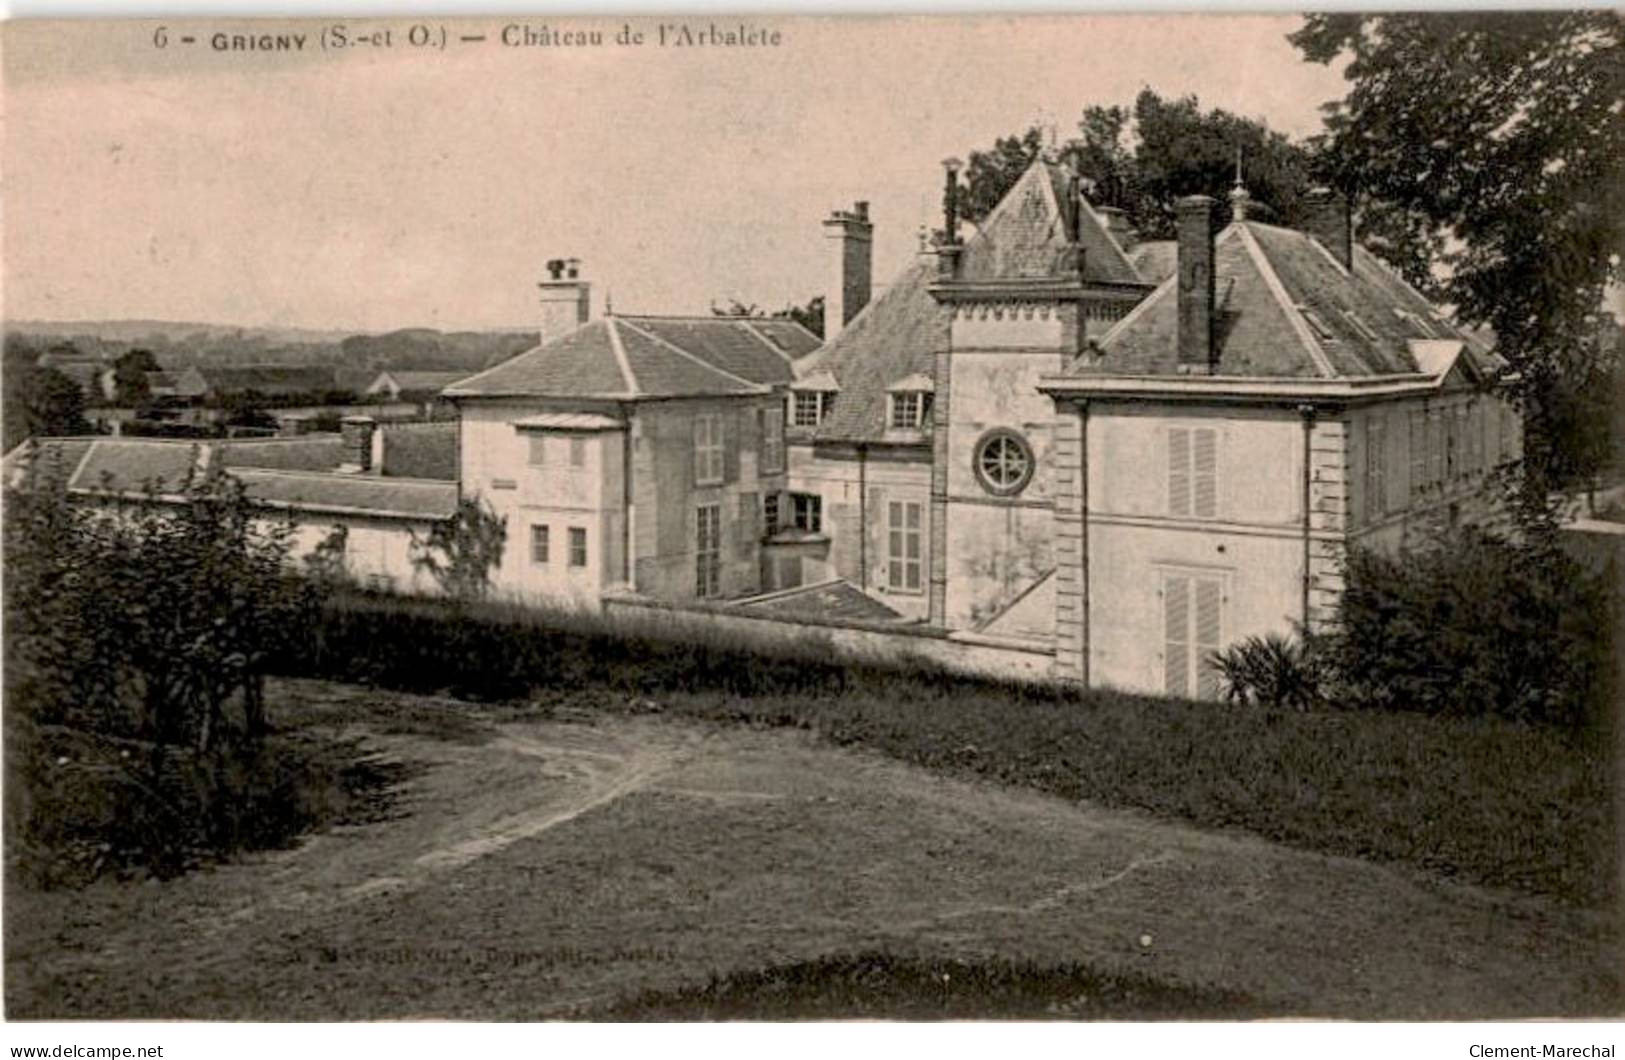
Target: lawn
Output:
[
  {"x": 1484, "y": 800},
  {"x": 600, "y": 858}
]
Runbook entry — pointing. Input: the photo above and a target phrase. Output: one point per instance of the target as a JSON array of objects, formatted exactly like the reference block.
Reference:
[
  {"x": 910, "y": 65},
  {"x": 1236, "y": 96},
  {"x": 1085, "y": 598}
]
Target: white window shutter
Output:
[
  {"x": 1208, "y": 633},
  {"x": 1179, "y": 473},
  {"x": 1205, "y": 471},
  {"x": 1176, "y": 634}
]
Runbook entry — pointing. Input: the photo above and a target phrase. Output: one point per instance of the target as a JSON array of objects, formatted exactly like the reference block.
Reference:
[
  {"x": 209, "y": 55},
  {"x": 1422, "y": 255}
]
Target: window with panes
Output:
[
  {"x": 904, "y": 545},
  {"x": 708, "y": 550}
]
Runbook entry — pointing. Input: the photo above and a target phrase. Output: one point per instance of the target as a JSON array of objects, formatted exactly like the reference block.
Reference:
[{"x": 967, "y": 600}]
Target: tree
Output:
[
  {"x": 1502, "y": 136},
  {"x": 809, "y": 316},
  {"x": 460, "y": 554},
  {"x": 130, "y": 387},
  {"x": 42, "y": 402},
  {"x": 1143, "y": 158}
]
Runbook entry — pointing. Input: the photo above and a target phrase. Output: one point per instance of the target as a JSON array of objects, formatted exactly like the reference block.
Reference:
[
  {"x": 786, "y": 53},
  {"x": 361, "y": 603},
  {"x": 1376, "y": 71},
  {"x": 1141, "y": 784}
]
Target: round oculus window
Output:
[{"x": 1004, "y": 462}]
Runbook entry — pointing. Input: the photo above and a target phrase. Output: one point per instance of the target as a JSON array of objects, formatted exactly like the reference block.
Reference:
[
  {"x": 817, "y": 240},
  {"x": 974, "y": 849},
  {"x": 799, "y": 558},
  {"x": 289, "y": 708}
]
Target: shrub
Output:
[
  {"x": 137, "y": 640},
  {"x": 1475, "y": 624},
  {"x": 1270, "y": 671}
]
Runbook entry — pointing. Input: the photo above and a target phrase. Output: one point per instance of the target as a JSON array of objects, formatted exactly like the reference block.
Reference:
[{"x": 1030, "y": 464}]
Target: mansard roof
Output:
[
  {"x": 630, "y": 357},
  {"x": 1286, "y": 308},
  {"x": 1025, "y": 237}
]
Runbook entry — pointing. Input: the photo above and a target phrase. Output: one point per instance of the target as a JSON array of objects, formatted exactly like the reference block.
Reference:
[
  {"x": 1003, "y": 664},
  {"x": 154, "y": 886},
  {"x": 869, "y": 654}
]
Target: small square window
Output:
[
  {"x": 908, "y": 409},
  {"x": 807, "y": 512}
]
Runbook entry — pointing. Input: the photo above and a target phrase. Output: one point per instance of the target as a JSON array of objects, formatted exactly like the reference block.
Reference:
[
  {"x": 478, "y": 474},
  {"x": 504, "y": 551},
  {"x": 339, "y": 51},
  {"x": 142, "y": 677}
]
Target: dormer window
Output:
[
  {"x": 908, "y": 410},
  {"x": 808, "y": 410},
  {"x": 910, "y": 402},
  {"x": 811, "y": 399}
]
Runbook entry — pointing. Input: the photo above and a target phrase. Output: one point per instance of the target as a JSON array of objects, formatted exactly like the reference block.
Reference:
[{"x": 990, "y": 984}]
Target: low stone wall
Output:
[{"x": 855, "y": 642}]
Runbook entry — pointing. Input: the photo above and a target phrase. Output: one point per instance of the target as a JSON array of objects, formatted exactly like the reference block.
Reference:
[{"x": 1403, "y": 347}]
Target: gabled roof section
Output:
[
  {"x": 892, "y": 337},
  {"x": 1286, "y": 308},
  {"x": 1028, "y": 235},
  {"x": 628, "y": 358}
]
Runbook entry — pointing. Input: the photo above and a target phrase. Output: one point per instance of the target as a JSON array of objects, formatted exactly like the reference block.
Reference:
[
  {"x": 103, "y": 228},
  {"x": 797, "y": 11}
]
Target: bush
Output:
[
  {"x": 1475, "y": 625},
  {"x": 1270, "y": 671},
  {"x": 137, "y": 640}
]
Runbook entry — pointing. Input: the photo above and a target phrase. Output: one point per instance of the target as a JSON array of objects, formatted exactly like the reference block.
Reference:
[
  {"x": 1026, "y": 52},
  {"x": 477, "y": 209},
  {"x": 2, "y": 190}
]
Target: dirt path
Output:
[{"x": 561, "y": 864}]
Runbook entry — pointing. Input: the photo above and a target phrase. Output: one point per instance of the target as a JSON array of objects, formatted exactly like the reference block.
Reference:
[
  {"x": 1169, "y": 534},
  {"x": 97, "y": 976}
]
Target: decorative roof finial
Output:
[{"x": 1239, "y": 196}]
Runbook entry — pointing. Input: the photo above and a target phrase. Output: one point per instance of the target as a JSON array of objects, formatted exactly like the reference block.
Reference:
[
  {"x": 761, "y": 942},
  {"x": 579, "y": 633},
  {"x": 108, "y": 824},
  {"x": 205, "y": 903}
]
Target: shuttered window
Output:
[
  {"x": 1193, "y": 461},
  {"x": 1193, "y": 627},
  {"x": 903, "y": 545},
  {"x": 708, "y": 466},
  {"x": 1376, "y": 461},
  {"x": 773, "y": 441},
  {"x": 708, "y": 550}
]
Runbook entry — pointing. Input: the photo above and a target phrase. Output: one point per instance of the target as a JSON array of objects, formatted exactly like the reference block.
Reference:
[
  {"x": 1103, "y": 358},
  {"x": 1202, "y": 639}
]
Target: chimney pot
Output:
[
  {"x": 1196, "y": 283},
  {"x": 566, "y": 299}
]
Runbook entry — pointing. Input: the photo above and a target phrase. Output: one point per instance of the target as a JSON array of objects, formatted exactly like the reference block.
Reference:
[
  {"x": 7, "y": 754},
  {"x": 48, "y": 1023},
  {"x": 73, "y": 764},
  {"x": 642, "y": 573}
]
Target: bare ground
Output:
[{"x": 539, "y": 868}]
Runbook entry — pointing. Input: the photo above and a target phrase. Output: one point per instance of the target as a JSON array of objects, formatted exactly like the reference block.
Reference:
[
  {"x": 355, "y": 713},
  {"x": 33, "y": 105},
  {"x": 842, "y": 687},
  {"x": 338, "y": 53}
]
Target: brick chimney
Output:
[
  {"x": 851, "y": 252},
  {"x": 356, "y": 434},
  {"x": 948, "y": 250},
  {"x": 565, "y": 297},
  {"x": 1196, "y": 286},
  {"x": 1328, "y": 218}
]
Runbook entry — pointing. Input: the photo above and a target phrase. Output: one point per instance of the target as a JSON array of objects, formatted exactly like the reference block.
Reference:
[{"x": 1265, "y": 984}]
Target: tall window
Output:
[
  {"x": 772, "y": 440},
  {"x": 578, "y": 546},
  {"x": 903, "y": 545},
  {"x": 770, "y": 514},
  {"x": 1452, "y": 444},
  {"x": 1193, "y": 464},
  {"x": 708, "y": 550},
  {"x": 908, "y": 409},
  {"x": 578, "y": 452},
  {"x": 708, "y": 449},
  {"x": 538, "y": 450},
  {"x": 807, "y": 511},
  {"x": 538, "y": 544},
  {"x": 1376, "y": 466},
  {"x": 1193, "y": 625}
]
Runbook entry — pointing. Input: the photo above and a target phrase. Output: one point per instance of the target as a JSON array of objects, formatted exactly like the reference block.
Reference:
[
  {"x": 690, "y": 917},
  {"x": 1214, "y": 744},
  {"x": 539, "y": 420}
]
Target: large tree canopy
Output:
[{"x": 1502, "y": 137}]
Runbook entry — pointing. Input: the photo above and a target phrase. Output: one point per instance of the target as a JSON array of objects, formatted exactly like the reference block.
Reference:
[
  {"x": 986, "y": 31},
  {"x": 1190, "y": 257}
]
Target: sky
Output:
[{"x": 374, "y": 188}]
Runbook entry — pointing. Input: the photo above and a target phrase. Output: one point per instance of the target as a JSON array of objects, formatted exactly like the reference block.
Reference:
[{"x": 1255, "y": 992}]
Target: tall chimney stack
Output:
[
  {"x": 1196, "y": 285},
  {"x": 566, "y": 299},
  {"x": 851, "y": 255},
  {"x": 1328, "y": 218},
  {"x": 948, "y": 251}
]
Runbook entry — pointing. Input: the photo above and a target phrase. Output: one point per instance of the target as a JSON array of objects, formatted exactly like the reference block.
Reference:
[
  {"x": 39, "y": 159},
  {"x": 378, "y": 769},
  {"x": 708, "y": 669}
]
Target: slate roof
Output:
[
  {"x": 891, "y": 338},
  {"x": 130, "y": 465},
  {"x": 266, "y": 378},
  {"x": 421, "y": 382},
  {"x": 368, "y": 495},
  {"x": 1155, "y": 260},
  {"x": 1285, "y": 309},
  {"x": 1025, "y": 237},
  {"x": 632, "y": 357},
  {"x": 420, "y": 450},
  {"x": 1028, "y": 235},
  {"x": 309, "y": 452},
  {"x": 834, "y": 601}
]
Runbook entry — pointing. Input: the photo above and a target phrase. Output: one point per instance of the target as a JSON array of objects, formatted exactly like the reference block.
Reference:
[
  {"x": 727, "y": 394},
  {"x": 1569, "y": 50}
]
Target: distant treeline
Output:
[{"x": 181, "y": 346}]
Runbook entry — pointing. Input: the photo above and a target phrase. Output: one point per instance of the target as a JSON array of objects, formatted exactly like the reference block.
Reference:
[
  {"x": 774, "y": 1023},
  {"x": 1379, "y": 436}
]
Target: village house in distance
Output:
[
  {"x": 1044, "y": 445},
  {"x": 1046, "y": 449}
]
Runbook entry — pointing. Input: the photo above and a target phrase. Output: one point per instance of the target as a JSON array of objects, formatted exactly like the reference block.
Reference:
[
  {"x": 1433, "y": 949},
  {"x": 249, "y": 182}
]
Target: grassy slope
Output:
[{"x": 1482, "y": 800}]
